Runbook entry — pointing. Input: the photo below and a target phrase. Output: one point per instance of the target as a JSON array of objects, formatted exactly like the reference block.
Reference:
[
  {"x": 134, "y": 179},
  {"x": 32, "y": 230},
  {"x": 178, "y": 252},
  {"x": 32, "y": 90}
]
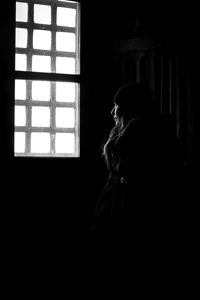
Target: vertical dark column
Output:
[
  {"x": 151, "y": 71},
  {"x": 157, "y": 83},
  {"x": 138, "y": 69},
  {"x": 143, "y": 68}
]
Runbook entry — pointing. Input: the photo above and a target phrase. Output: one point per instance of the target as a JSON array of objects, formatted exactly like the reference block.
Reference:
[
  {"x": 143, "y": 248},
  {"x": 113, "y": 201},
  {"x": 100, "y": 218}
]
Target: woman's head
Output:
[{"x": 133, "y": 100}]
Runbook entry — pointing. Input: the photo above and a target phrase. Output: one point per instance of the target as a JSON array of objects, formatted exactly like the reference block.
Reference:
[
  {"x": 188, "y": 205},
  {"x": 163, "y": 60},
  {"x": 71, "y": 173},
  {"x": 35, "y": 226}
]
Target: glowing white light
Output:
[
  {"x": 65, "y": 117},
  {"x": 40, "y": 116},
  {"x": 42, "y": 14},
  {"x": 21, "y": 35},
  {"x": 20, "y": 62},
  {"x": 65, "y": 41},
  {"x": 40, "y": 142},
  {"x": 42, "y": 39},
  {"x": 41, "y": 90},
  {"x": 66, "y": 16},
  {"x": 20, "y": 89},
  {"x": 20, "y": 115},
  {"x": 41, "y": 63},
  {"x": 65, "y": 143},
  {"x": 19, "y": 142},
  {"x": 21, "y": 12},
  {"x": 65, "y": 91},
  {"x": 65, "y": 65}
]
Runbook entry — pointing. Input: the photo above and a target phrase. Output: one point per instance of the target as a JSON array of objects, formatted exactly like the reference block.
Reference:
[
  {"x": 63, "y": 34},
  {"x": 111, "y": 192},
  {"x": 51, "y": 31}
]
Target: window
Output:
[{"x": 47, "y": 78}]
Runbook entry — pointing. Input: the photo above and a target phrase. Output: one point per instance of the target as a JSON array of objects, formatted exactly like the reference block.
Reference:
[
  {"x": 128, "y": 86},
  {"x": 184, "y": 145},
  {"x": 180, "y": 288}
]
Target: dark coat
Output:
[{"x": 139, "y": 197}]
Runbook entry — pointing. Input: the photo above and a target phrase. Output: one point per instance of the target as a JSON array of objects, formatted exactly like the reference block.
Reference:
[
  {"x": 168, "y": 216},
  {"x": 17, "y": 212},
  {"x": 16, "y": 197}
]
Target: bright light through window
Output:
[
  {"x": 20, "y": 89},
  {"x": 21, "y": 12},
  {"x": 42, "y": 39},
  {"x": 65, "y": 65},
  {"x": 41, "y": 90},
  {"x": 66, "y": 17},
  {"x": 65, "y": 117},
  {"x": 47, "y": 81},
  {"x": 20, "y": 115},
  {"x": 41, "y": 63},
  {"x": 20, "y": 62},
  {"x": 42, "y": 14},
  {"x": 65, "y": 91},
  {"x": 19, "y": 142},
  {"x": 65, "y": 41},
  {"x": 21, "y": 37},
  {"x": 65, "y": 143},
  {"x": 40, "y": 116},
  {"x": 40, "y": 142}
]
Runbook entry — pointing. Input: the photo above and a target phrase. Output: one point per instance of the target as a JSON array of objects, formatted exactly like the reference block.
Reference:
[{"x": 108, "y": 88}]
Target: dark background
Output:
[{"x": 62, "y": 192}]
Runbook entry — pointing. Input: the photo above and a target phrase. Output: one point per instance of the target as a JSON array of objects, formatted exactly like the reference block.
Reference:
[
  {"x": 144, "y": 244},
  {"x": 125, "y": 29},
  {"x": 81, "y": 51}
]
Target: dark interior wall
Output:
[
  {"x": 63, "y": 189},
  {"x": 70, "y": 187}
]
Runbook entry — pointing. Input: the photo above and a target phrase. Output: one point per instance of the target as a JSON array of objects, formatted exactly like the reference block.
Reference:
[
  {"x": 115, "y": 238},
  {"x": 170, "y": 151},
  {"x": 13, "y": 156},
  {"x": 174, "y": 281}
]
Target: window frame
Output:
[{"x": 52, "y": 77}]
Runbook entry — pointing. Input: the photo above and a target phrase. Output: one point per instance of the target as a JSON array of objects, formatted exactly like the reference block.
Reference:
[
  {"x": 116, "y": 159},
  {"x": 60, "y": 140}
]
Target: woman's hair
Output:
[{"x": 134, "y": 98}]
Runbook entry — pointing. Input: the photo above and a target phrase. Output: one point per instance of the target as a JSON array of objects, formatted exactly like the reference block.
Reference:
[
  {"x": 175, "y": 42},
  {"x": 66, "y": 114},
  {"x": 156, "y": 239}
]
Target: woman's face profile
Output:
[{"x": 115, "y": 112}]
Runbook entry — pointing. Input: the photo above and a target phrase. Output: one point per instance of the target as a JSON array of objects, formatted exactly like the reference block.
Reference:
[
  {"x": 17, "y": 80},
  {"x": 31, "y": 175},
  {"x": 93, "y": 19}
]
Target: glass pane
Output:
[
  {"x": 42, "y": 14},
  {"x": 40, "y": 142},
  {"x": 65, "y": 41},
  {"x": 41, "y": 63},
  {"x": 20, "y": 115},
  {"x": 41, "y": 116},
  {"x": 19, "y": 142},
  {"x": 21, "y": 35},
  {"x": 41, "y": 90},
  {"x": 65, "y": 143},
  {"x": 65, "y": 91},
  {"x": 21, "y": 12},
  {"x": 20, "y": 89},
  {"x": 66, "y": 16},
  {"x": 65, "y": 65},
  {"x": 65, "y": 117},
  {"x": 42, "y": 39},
  {"x": 20, "y": 62}
]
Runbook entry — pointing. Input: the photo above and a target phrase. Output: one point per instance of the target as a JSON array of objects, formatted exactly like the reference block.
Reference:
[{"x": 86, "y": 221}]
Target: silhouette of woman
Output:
[
  {"x": 135, "y": 207},
  {"x": 141, "y": 154}
]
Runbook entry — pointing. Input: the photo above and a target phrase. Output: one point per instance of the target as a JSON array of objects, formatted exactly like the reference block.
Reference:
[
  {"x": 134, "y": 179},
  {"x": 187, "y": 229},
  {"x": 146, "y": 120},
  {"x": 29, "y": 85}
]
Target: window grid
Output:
[
  {"x": 30, "y": 76},
  {"x": 53, "y": 28},
  {"x": 29, "y": 103}
]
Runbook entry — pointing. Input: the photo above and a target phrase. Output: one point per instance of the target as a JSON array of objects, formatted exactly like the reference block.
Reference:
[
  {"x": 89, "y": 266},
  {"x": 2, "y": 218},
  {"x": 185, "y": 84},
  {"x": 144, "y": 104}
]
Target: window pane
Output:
[
  {"x": 65, "y": 117},
  {"x": 19, "y": 142},
  {"x": 20, "y": 115},
  {"x": 41, "y": 116},
  {"x": 42, "y": 39},
  {"x": 20, "y": 62},
  {"x": 21, "y": 12},
  {"x": 65, "y": 65},
  {"x": 20, "y": 89},
  {"x": 40, "y": 142},
  {"x": 65, "y": 41},
  {"x": 66, "y": 16},
  {"x": 41, "y": 63},
  {"x": 42, "y": 14},
  {"x": 41, "y": 90},
  {"x": 65, "y": 91},
  {"x": 21, "y": 35},
  {"x": 65, "y": 143}
]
